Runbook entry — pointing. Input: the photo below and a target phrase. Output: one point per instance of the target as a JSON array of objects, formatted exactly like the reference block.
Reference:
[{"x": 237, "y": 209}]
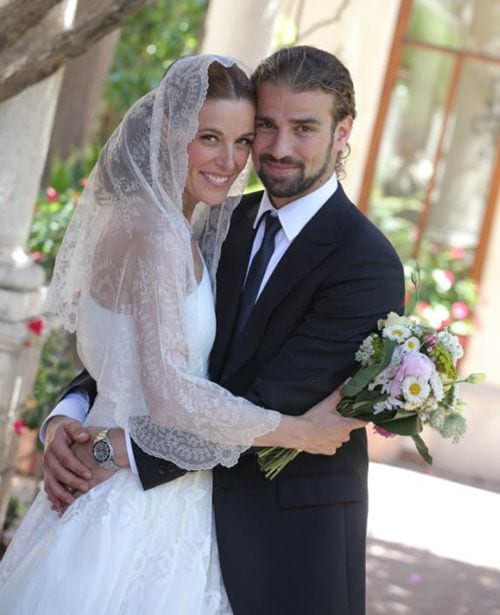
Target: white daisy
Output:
[
  {"x": 415, "y": 389},
  {"x": 394, "y": 319},
  {"x": 396, "y": 332},
  {"x": 412, "y": 343}
]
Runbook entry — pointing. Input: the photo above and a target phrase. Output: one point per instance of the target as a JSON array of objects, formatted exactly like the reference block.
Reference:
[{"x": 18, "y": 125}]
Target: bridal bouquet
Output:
[{"x": 407, "y": 379}]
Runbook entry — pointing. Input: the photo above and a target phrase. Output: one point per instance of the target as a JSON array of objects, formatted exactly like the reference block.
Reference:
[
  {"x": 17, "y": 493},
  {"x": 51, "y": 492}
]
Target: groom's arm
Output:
[
  {"x": 318, "y": 355},
  {"x": 63, "y": 428}
]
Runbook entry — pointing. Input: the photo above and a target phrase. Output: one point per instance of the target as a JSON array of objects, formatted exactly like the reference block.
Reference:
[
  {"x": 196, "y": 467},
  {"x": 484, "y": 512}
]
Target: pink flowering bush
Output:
[{"x": 447, "y": 294}]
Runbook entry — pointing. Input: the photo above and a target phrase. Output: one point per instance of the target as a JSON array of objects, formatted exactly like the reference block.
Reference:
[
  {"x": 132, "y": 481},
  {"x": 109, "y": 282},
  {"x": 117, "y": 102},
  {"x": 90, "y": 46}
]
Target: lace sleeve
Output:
[{"x": 174, "y": 415}]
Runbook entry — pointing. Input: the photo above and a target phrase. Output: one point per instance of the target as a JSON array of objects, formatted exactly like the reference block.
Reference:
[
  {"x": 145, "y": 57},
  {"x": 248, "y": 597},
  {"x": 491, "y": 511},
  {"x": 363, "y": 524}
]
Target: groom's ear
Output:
[{"x": 342, "y": 133}]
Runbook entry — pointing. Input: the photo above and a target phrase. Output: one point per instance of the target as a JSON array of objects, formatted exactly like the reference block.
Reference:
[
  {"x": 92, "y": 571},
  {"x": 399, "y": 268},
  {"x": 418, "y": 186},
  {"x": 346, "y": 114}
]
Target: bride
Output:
[{"x": 134, "y": 280}]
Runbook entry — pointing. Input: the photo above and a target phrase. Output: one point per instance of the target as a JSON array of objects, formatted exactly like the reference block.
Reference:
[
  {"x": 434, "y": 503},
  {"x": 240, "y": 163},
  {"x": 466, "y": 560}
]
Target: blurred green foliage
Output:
[{"x": 150, "y": 41}]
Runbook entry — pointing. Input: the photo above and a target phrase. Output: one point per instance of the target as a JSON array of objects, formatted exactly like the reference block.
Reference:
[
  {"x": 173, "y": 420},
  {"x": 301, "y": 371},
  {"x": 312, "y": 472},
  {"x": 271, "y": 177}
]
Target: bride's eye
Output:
[{"x": 208, "y": 138}]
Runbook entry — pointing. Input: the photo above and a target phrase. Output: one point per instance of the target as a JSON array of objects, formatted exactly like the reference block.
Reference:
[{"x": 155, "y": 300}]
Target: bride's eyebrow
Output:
[
  {"x": 221, "y": 133},
  {"x": 210, "y": 129}
]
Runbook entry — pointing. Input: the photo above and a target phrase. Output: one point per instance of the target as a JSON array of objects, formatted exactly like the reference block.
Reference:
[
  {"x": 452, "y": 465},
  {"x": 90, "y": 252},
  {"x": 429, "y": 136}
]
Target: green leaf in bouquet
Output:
[
  {"x": 422, "y": 449},
  {"x": 403, "y": 423},
  {"x": 362, "y": 405},
  {"x": 371, "y": 396},
  {"x": 362, "y": 378}
]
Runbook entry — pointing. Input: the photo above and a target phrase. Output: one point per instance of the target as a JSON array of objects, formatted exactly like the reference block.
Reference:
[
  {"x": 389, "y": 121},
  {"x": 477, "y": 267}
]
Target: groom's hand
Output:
[
  {"x": 327, "y": 429},
  {"x": 64, "y": 473}
]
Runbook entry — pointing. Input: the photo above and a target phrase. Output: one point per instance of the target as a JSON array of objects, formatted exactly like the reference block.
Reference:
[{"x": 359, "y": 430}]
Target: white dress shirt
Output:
[{"x": 293, "y": 217}]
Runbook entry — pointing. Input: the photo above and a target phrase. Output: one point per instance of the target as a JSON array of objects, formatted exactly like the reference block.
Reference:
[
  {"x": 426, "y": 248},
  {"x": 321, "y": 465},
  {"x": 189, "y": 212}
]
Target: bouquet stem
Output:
[{"x": 273, "y": 459}]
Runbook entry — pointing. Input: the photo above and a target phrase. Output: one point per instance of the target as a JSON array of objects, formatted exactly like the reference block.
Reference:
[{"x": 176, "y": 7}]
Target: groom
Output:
[{"x": 294, "y": 545}]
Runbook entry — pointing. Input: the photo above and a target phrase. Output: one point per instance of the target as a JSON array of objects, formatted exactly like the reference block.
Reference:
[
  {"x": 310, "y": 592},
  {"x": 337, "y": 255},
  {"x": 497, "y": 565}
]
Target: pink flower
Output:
[
  {"x": 84, "y": 181},
  {"x": 19, "y": 426},
  {"x": 383, "y": 432},
  {"x": 457, "y": 253},
  {"x": 459, "y": 310},
  {"x": 449, "y": 275},
  {"x": 36, "y": 326},
  {"x": 37, "y": 256},
  {"x": 51, "y": 195},
  {"x": 413, "y": 364},
  {"x": 431, "y": 341}
]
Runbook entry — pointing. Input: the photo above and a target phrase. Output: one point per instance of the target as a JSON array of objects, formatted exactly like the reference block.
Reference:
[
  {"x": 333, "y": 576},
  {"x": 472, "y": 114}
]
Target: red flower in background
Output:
[
  {"x": 38, "y": 256},
  {"x": 19, "y": 426},
  {"x": 457, "y": 253},
  {"x": 51, "y": 195},
  {"x": 84, "y": 181},
  {"x": 460, "y": 310},
  {"x": 36, "y": 326},
  {"x": 449, "y": 275}
]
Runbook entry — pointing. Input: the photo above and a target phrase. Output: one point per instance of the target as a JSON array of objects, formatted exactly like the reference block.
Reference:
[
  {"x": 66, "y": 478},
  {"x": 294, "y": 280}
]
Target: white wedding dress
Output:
[{"x": 119, "y": 550}]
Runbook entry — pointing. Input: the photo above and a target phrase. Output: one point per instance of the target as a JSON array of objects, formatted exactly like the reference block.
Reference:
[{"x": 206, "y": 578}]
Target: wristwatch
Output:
[{"x": 102, "y": 451}]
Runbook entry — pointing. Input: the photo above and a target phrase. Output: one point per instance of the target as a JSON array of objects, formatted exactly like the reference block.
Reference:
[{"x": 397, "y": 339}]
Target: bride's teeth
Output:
[{"x": 216, "y": 178}]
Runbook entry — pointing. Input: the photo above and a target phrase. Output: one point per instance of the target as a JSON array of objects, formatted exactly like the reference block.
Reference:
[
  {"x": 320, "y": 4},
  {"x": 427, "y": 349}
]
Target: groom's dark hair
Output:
[{"x": 303, "y": 68}]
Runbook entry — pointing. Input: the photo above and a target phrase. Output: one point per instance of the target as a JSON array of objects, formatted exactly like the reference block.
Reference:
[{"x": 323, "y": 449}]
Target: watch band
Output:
[{"x": 102, "y": 451}]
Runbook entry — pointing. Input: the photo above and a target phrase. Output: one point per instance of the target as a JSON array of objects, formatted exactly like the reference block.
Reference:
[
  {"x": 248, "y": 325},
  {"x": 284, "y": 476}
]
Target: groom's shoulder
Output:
[{"x": 360, "y": 233}]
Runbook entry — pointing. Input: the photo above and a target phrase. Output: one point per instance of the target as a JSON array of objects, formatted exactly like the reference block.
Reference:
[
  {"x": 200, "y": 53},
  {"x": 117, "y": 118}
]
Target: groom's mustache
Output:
[{"x": 287, "y": 160}]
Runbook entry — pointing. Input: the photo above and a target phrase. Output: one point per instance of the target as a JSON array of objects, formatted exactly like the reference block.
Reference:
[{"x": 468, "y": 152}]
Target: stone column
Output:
[
  {"x": 247, "y": 31},
  {"x": 25, "y": 128}
]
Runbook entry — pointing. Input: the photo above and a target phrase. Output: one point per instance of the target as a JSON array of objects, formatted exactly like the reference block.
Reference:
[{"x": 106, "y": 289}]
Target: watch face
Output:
[{"x": 101, "y": 451}]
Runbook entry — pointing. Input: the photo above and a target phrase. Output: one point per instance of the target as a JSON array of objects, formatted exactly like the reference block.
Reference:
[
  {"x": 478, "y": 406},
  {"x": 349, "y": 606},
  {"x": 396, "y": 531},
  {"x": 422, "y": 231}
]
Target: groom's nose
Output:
[{"x": 279, "y": 145}]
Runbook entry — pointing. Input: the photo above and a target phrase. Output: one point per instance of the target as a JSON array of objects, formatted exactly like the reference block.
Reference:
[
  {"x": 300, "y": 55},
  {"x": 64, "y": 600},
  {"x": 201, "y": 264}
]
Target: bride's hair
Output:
[{"x": 229, "y": 83}]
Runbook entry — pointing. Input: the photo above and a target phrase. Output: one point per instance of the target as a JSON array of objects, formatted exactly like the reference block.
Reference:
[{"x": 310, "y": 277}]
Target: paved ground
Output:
[{"x": 434, "y": 545}]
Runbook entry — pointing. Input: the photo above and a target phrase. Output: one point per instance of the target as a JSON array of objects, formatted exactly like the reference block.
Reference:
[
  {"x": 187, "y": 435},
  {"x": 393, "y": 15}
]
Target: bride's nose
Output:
[{"x": 226, "y": 158}]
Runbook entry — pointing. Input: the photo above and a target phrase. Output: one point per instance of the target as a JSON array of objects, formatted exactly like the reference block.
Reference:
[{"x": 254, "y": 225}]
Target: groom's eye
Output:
[
  {"x": 304, "y": 128},
  {"x": 264, "y": 125}
]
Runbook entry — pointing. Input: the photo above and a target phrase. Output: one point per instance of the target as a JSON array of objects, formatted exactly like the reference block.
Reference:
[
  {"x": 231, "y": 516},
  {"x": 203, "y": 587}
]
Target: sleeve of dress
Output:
[{"x": 174, "y": 415}]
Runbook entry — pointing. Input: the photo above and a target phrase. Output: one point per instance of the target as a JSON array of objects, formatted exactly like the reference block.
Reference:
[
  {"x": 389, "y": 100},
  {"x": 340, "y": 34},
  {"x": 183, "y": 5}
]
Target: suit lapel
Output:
[
  {"x": 313, "y": 244},
  {"x": 230, "y": 276}
]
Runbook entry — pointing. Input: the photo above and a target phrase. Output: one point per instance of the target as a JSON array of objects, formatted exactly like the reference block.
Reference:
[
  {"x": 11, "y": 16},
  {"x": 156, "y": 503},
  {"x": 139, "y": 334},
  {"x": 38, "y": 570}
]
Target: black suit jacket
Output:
[{"x": 296, "y": 545}]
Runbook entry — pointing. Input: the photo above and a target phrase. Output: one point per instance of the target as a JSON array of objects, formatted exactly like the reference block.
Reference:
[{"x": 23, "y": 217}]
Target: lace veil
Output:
[{"x": 127, "y": 258}]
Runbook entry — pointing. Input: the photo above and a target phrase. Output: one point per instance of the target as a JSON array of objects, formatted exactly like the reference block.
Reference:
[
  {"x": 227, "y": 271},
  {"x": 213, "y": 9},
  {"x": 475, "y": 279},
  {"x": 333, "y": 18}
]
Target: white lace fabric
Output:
[{"x": 128, "y": 252}]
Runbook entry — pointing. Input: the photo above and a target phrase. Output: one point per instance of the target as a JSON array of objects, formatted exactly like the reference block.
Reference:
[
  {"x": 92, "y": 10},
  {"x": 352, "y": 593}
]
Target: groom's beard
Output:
[{"x": 287, "y": 187}]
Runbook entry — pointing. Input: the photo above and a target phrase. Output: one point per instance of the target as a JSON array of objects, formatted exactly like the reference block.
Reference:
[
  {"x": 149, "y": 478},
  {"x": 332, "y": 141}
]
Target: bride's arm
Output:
[{"x": 321, "y": 430}]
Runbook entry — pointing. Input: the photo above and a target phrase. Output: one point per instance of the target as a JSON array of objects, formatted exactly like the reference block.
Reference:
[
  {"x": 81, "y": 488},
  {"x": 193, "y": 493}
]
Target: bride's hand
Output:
[{"x": 326, "y": 429}]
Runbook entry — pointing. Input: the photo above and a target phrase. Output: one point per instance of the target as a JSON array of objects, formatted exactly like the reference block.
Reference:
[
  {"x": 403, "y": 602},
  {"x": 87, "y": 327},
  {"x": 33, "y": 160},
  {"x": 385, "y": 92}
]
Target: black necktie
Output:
[{"x": 256, "y": 271}]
